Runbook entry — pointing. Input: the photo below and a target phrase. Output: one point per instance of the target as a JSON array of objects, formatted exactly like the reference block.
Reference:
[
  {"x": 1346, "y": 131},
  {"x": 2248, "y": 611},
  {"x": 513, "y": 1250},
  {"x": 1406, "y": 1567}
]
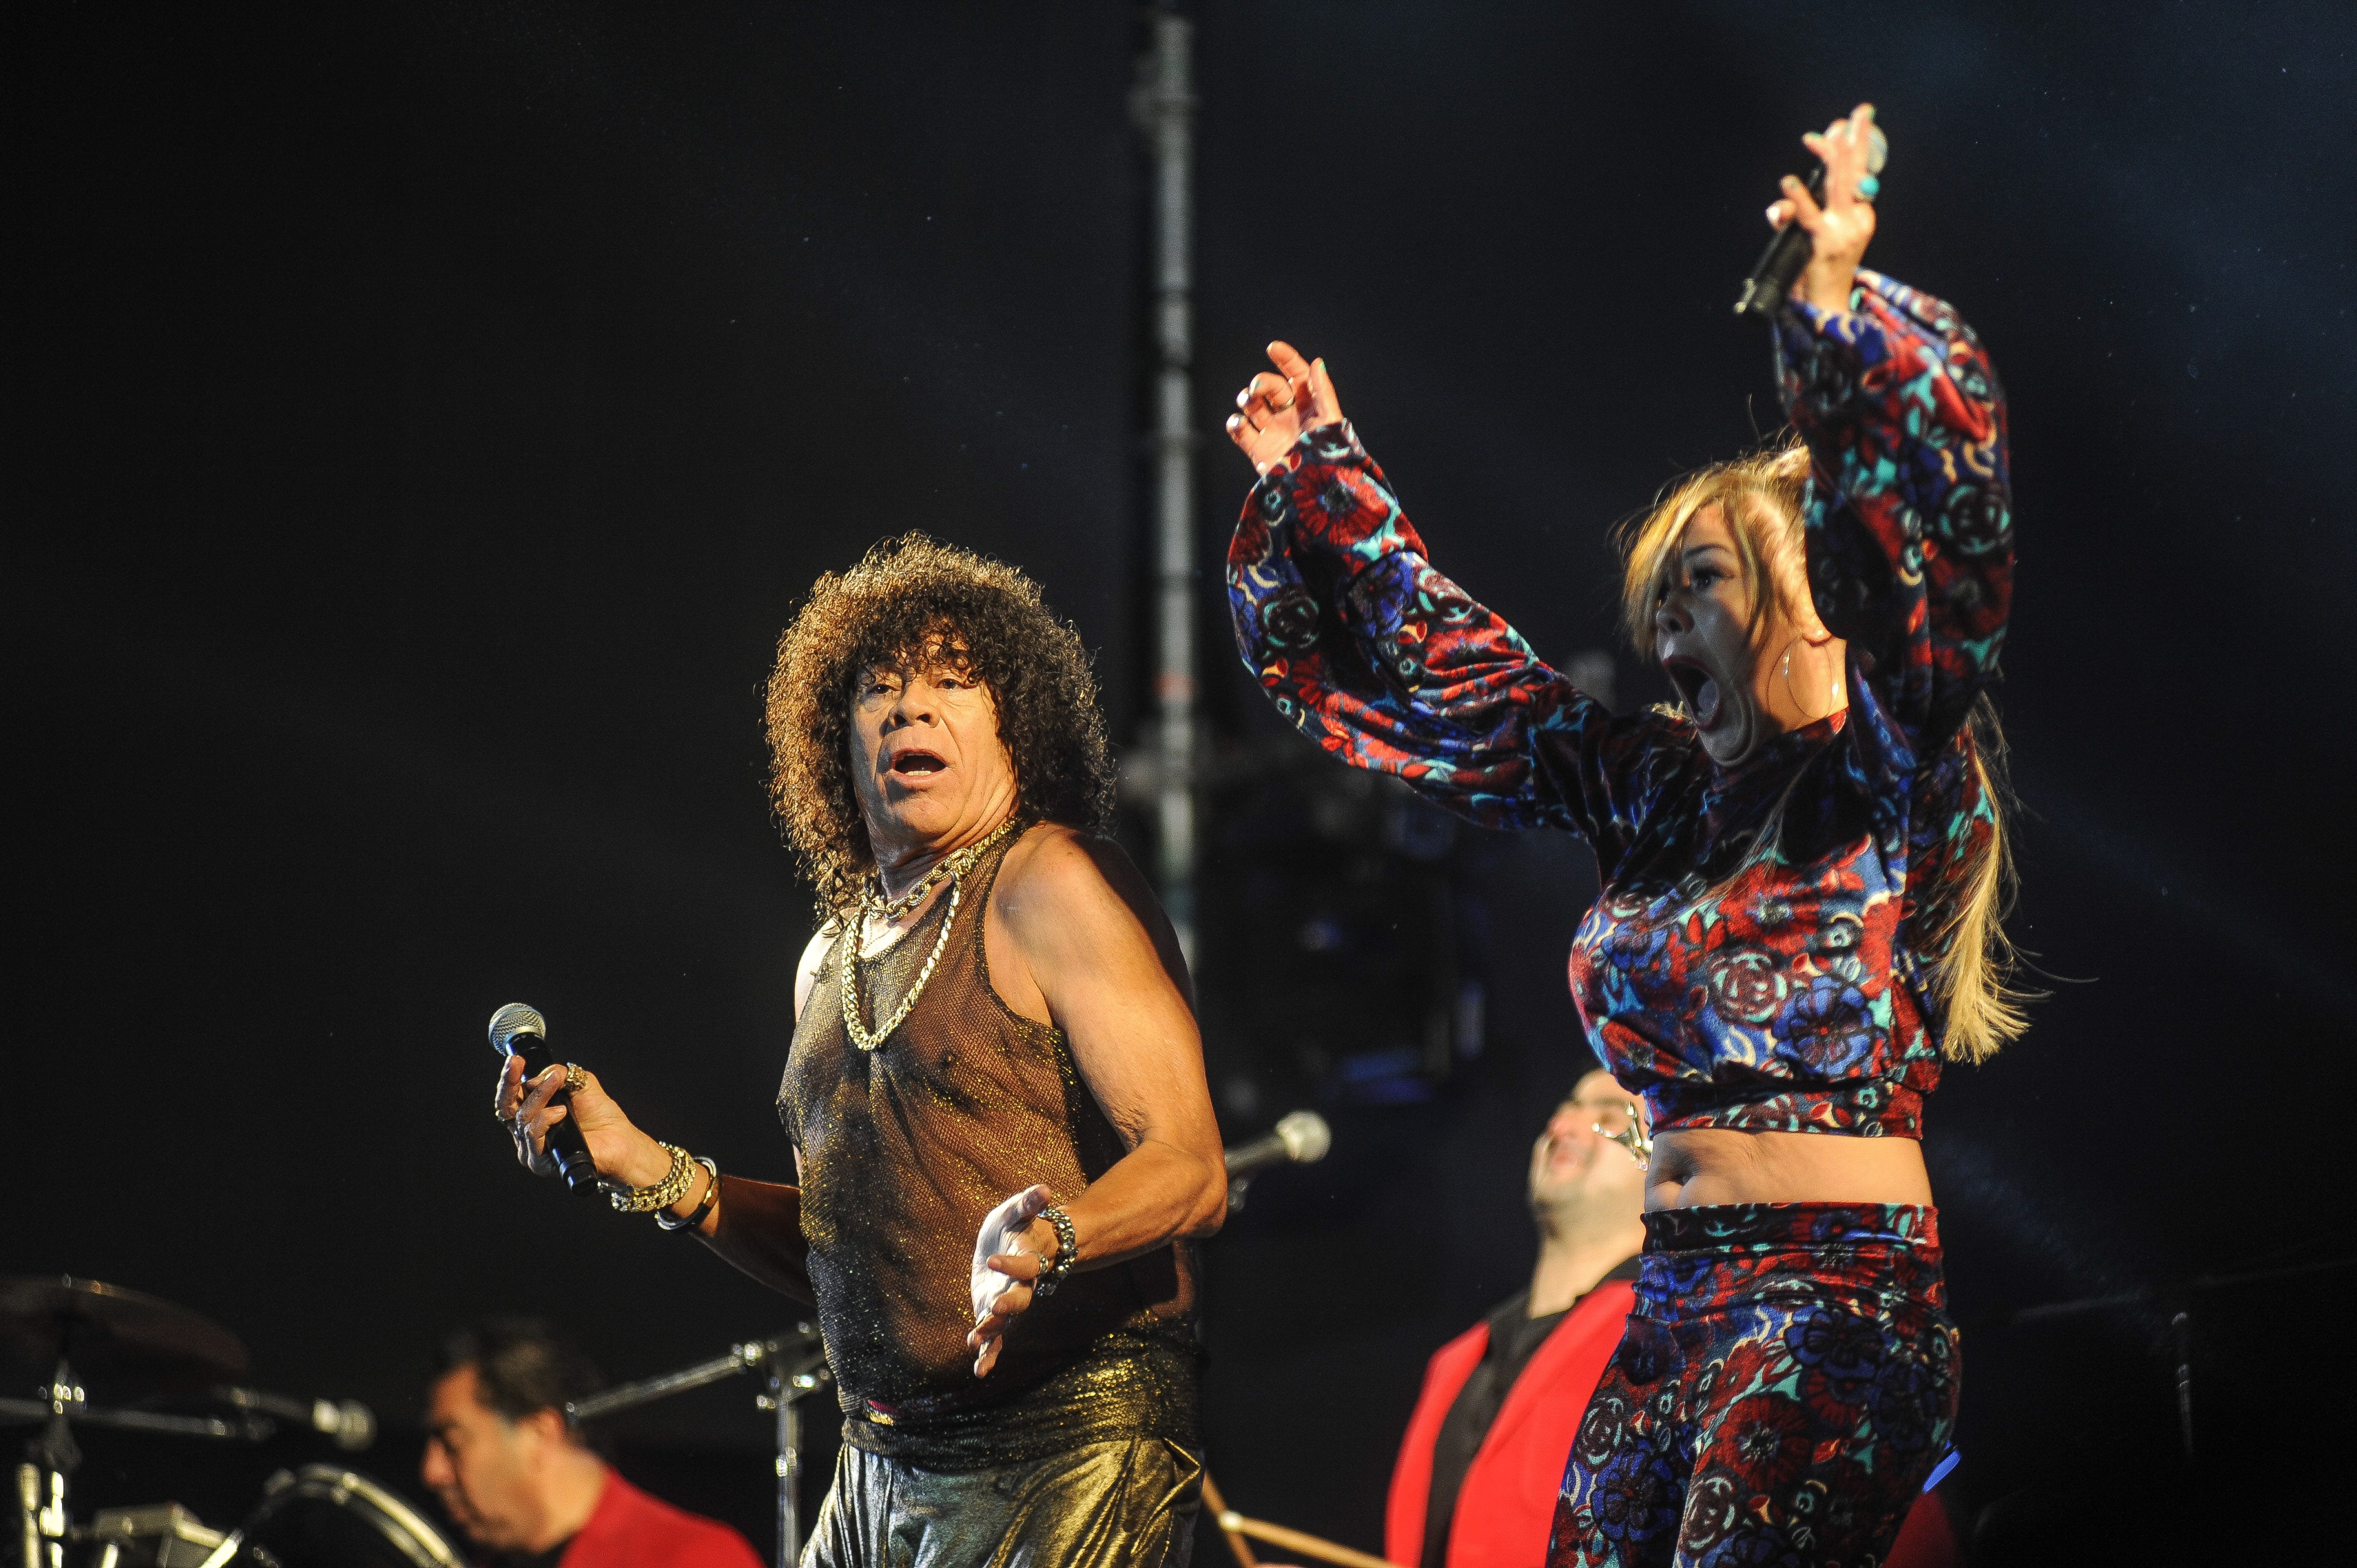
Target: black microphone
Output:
[
  {"x": 1301, "y": 1138},
  {"x": 519, "y": 1031},
  {"x": 1779, "y": 268}
]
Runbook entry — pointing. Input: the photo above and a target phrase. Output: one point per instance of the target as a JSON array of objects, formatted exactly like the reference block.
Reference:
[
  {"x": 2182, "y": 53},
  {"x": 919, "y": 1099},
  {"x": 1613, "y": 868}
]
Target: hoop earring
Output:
[{"x": 1833, "y": 692}]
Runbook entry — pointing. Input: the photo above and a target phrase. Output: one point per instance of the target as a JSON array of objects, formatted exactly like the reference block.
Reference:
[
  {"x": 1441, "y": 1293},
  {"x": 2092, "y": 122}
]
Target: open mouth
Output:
[
  {"x": 1563, "y": 1161},
  {"x": 916, "y": 762},
  {"x": 1696, "y": 689}
]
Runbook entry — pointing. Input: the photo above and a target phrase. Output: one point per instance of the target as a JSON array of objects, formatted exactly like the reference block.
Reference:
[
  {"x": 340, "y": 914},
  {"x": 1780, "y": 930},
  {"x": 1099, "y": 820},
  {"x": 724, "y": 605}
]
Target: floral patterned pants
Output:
[{"x": 1786, "y": 1381}]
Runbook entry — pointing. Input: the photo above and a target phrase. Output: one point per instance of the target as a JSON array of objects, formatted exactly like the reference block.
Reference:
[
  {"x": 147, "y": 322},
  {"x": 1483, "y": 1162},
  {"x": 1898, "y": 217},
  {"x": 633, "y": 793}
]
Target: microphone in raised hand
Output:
[
  {"x": 520, "y": 1032},
  {"x": 1780, "y": 265}
]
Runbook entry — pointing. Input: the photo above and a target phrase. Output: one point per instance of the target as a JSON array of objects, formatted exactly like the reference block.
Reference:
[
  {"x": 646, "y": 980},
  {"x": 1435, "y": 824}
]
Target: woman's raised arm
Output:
[
  {"x": 1390, "y": 665},
  {"x": 1911, "y": 515}
]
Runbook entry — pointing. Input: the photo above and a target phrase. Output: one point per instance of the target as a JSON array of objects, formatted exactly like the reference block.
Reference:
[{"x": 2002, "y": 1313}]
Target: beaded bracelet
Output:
[{"x": 1068, "y": 1252}]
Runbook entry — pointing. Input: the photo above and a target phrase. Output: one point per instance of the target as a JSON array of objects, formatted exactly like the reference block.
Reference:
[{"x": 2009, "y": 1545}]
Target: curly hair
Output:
[{"x": 912, "y": 600}]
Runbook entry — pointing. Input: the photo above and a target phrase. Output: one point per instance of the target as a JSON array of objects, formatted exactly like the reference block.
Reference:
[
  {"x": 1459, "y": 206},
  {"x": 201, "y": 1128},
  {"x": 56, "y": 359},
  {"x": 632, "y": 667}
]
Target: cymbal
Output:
[{"x": 128, "y": 1341}]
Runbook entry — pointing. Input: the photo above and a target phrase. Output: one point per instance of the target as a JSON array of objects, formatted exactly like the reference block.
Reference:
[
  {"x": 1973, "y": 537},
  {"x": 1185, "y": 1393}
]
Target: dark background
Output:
[{"x": 422, "y": 418}]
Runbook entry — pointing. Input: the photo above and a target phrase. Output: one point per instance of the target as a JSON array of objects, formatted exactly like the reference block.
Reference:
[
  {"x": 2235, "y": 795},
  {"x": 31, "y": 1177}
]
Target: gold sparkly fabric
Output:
[{"x": 904, "y": 1150}]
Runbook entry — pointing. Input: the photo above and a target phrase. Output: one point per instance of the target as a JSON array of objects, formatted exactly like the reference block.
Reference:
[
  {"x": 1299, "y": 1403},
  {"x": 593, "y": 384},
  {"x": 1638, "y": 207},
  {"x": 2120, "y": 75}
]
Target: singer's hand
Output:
[
  {"x": 1838, "y": 230},
  {"x": 1273, "y": 410},
  {"x": 1011, "y": 1251},
  {"x": 621, "y": 1151}
]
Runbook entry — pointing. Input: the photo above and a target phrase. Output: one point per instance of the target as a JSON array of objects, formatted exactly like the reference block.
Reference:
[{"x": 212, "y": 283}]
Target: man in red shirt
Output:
[
  {"x": 1478, "y": 1472},
  {"x": 516, "y": 1478}
]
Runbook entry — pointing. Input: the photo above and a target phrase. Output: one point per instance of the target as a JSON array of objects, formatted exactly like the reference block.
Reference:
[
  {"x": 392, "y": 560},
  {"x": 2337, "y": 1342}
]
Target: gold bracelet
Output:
[
  {"x": 694, "y": 1217},
  {"x": 664, "y": 1193}
]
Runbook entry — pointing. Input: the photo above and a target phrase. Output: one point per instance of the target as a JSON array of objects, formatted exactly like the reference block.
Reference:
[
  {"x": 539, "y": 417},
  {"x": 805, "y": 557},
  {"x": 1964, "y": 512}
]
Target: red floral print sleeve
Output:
[{"x": 1392, "y": 667}]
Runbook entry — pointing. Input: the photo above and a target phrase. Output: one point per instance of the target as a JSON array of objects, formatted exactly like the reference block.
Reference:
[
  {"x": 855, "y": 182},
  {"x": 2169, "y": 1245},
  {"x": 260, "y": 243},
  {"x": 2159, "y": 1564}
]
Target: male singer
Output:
[{"x": 995, "y": 1091}]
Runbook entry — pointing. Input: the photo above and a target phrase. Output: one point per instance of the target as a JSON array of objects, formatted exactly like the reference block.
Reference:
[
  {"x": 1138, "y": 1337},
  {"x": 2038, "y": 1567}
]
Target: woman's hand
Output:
[
  {"x": 1273, "y": 410},
  {"x": 621, "y": 1151},
  {"x": 1838, "y": 230}
]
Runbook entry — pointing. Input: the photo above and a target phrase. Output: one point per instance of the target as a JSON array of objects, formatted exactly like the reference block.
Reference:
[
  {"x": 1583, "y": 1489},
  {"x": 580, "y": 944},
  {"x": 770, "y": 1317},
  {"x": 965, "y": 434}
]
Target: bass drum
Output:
[{"x": 323, "y": 1517}]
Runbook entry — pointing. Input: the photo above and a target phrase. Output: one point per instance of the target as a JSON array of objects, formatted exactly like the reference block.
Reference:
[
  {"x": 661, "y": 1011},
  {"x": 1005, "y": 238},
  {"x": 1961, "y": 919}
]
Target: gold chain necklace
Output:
[
  {"x": 873, "y": 902},
  {"x": 954, "y": 867}
]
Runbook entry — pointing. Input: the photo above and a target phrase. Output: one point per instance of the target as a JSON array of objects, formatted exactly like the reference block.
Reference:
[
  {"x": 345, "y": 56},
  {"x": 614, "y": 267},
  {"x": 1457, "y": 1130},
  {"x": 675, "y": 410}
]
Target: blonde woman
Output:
[{"x": 1802, "y": 869}]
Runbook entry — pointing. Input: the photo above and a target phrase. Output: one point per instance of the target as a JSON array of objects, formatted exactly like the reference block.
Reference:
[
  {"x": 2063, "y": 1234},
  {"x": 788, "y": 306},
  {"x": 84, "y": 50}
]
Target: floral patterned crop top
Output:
[{"x": 1758, "y": 957}]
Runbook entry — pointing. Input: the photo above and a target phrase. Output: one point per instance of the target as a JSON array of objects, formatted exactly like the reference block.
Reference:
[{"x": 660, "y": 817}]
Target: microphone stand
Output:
[{"x": 793, "y": 1366}]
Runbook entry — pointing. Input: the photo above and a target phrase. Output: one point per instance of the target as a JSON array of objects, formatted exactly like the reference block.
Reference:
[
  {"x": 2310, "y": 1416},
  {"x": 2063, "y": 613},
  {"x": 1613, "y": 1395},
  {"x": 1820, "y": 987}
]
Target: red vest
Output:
[
  {"x": 1507, "y": 1503},
  {"x": 631, "y": 1529}
]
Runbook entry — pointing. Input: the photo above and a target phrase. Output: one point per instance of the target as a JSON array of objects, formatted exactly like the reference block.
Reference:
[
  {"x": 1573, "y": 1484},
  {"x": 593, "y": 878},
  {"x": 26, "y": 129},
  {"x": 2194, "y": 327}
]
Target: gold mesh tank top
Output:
[{"x": 904, "y": 1150}]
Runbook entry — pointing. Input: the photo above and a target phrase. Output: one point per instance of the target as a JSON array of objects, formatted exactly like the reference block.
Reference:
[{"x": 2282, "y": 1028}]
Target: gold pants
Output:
[{"x": 1129, "y": 1504}]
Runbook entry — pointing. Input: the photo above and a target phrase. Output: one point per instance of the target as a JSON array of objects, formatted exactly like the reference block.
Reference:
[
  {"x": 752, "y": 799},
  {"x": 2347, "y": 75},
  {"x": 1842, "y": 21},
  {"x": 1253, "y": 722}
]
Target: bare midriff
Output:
[{"x": 1698, "y": 1165}]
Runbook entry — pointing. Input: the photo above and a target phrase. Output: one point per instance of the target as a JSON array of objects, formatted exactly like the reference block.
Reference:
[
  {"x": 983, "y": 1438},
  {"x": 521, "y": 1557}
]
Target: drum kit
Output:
[{"x": 143, "y": 1350}]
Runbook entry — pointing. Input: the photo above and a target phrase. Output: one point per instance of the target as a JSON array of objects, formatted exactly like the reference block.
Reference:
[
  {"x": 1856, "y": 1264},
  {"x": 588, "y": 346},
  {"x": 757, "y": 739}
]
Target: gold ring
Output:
[{"x": 574, "y": 1078}]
